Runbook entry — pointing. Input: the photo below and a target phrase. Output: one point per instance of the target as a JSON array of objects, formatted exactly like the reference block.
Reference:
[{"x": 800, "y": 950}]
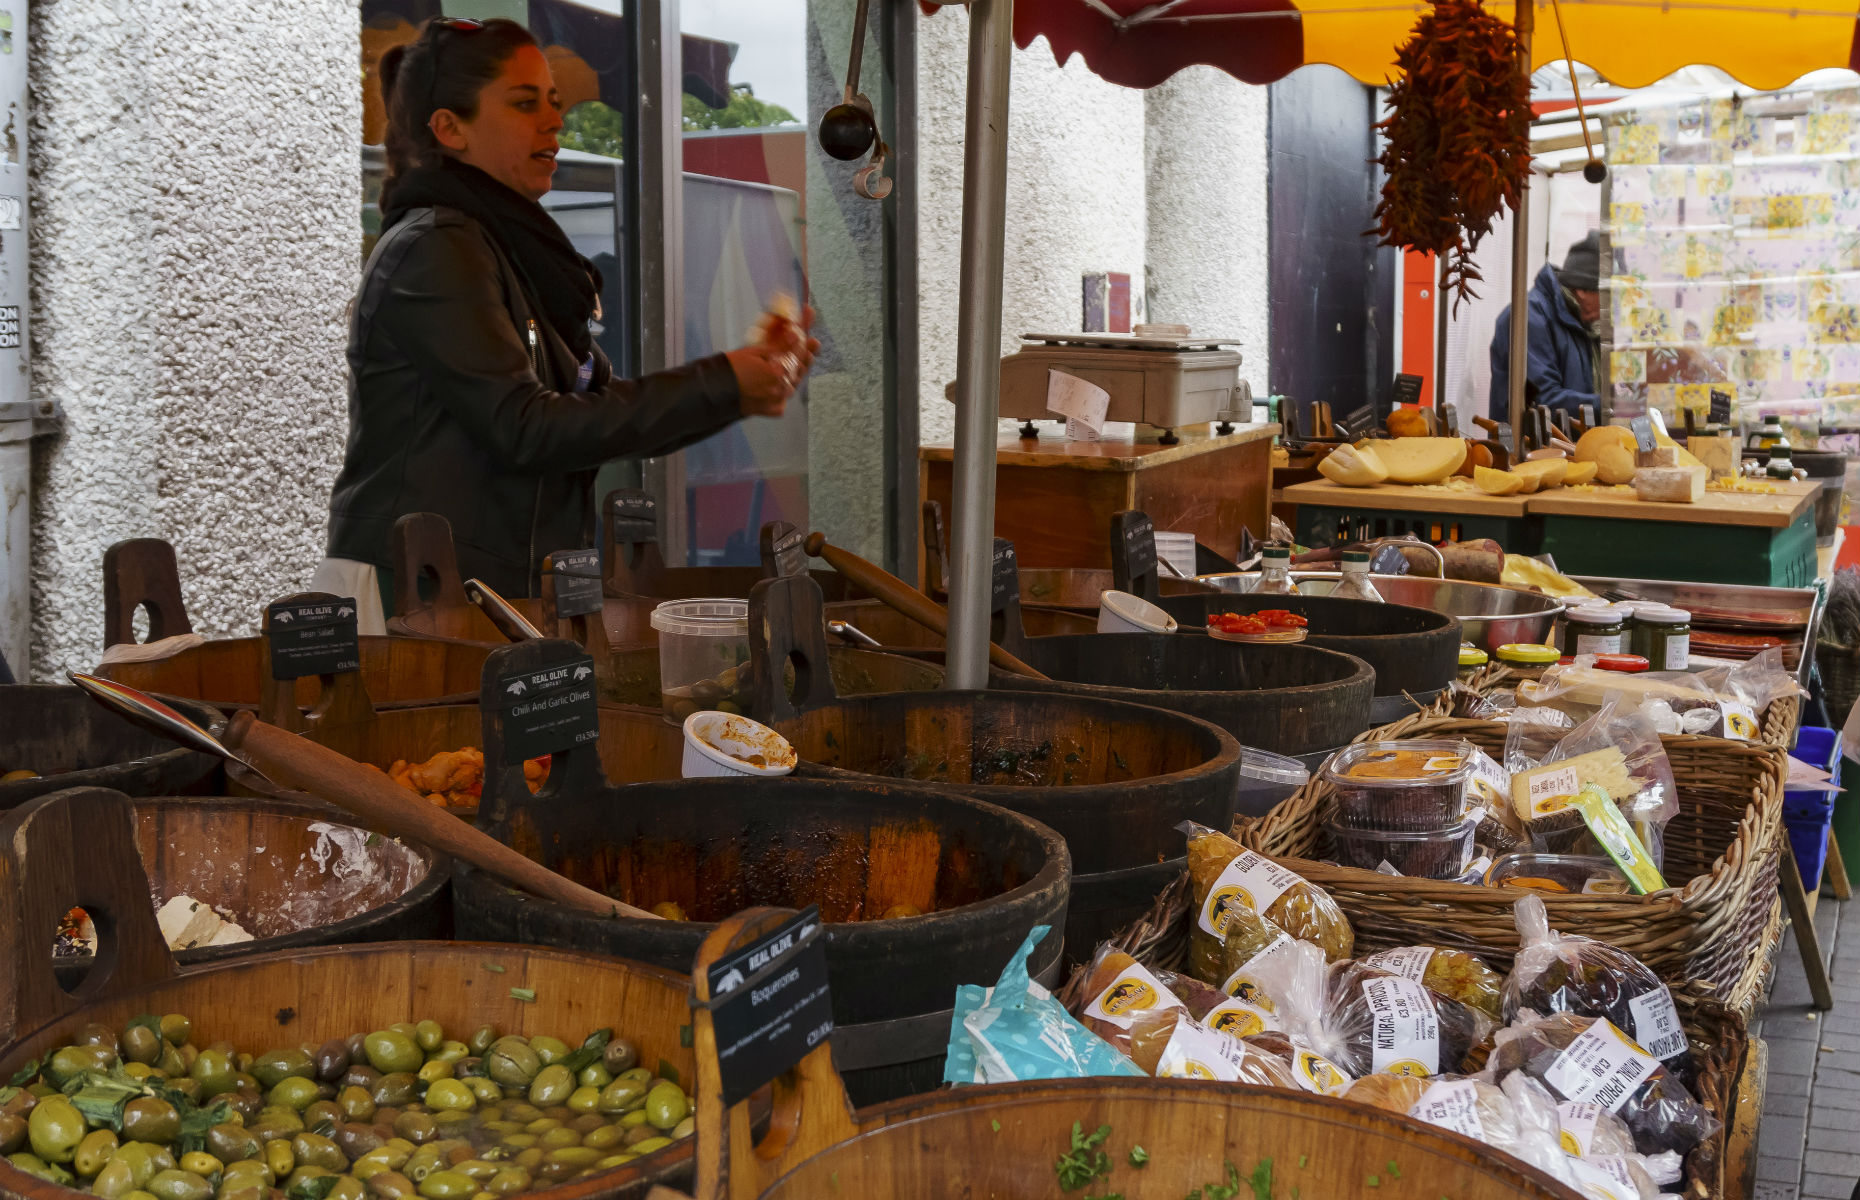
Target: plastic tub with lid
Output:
[
  {"x": 1266, "y": 780},
  {"x": 1417, "y": 853},
  {"x": 703, "y": 655},
  {"x": 1418, "y": 785},
  {"x": 1558, "y": 874}
]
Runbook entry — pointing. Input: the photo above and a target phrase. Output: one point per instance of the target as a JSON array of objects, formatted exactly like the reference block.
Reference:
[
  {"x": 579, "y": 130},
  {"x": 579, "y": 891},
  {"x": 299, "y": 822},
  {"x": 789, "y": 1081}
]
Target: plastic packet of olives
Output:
[{"x": 1016, "y": 1030}]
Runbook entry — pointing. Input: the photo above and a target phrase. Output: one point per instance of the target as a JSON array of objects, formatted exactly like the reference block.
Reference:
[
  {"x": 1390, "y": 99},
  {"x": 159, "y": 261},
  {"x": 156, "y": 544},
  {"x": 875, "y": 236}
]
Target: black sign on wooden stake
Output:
[
  {"x": 548, "y": 711},
  {"x": 1133, "y": 554},
  {"x": 635, "y": 516},
  {"x": 577, "y": 576},
  {"x": 769, "y": 1004},
  {"x": 1408, "y": 389},
  {"x": 784, "y": 551},
  {"x": 1720, "y": 411},
  {"x": 312, "y": 639}
]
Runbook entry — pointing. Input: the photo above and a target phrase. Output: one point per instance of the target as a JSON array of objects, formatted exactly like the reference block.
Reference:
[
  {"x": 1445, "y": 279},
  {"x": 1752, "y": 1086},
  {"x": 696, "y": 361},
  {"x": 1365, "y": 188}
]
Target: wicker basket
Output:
[
  {"x": 1779, "y": 719},
  {"x": 1724, "y": 842}
]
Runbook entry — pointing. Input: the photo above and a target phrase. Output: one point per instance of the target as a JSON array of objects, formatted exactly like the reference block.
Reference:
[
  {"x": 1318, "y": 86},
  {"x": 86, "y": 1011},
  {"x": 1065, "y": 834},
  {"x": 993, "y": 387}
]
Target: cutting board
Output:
[
  {"x": 1777, "y": 511},
  {"x": 1398, "y": 497}
]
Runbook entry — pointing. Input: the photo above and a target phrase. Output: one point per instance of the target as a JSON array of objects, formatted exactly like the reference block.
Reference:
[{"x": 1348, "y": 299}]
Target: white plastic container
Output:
[
  {"x": 1266, "y": 780},
  {"x": 703, "y": 656},
  {"x": 1121, "y": 612},
  {"x": 719, "y": 744}
]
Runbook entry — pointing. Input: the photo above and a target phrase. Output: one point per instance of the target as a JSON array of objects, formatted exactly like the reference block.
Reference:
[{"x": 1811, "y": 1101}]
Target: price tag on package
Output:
[
  {"x": 769, "y": 1004},
  {"x": 548, "y": 711},
  {"x": 312, "y": 639},
  {"x": 1082, "y": 404}
]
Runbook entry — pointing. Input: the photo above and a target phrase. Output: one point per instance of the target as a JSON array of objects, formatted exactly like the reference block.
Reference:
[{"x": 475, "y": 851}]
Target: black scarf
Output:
[{"x": 562, "y": 285}]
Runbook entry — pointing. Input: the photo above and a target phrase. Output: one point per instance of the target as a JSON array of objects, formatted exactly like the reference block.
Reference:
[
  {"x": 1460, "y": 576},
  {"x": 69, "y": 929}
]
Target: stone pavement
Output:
[{"x": 1808, "y": 1144}]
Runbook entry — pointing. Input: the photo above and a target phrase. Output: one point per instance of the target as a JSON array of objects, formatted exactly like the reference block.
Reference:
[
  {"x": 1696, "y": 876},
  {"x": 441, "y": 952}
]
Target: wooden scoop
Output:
[
  {"x": 296, "y": 762},
  {"x": 903, "y": 597}
]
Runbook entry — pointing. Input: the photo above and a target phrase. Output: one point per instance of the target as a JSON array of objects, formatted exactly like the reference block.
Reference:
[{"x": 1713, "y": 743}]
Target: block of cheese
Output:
[
  {"x": 1670, "y": 485},
  {"x": 1659, "y": 456},
  {"x": 186, "y": 922},
  {"x": 1606, "y": 769},
  {"x": 1420, "y": 459}
]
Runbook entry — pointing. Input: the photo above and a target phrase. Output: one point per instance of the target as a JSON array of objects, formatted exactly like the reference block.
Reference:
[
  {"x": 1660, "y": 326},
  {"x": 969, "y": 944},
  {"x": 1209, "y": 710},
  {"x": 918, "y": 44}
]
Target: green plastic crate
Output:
[{"x": 1622, "y": 549}]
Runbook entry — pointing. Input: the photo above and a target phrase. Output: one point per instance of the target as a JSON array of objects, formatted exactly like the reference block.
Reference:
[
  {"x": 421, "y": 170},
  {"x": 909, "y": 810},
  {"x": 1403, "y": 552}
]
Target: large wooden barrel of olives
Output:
[
  {"x": 921, "y": 889},
  {"x": 1411, "y": 650},
  {"x": 400, "y": 672},
  {"x": 66, "y": 739},
  {"x": 77, "y": 848},
  {"x": 1113, "y": 779},
  {"x": 288, "y": 873},
  {"x": 1004, "y": 1141},
  {"x": 1291, "y": 700}
]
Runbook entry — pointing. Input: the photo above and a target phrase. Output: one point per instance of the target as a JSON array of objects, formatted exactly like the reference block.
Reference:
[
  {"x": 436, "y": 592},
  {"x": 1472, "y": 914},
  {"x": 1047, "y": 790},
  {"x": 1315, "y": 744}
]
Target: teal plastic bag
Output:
[{"x": 1016, "y": 1030}]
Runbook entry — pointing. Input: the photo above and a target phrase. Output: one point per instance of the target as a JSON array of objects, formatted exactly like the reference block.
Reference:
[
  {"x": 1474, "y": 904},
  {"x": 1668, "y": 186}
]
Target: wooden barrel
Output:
[
  {"x": 400, "y": 672},
  {"x": 1411, "y": 650},
  {"x": 628, "y": 622},
  {"x": 1287, "y": 699},
  {"x": 1113, "y": 779},
  {"x": 1003, "y": 1141},
  {"x": 70, "y": 740},
  {"x": 291, "y": 873},
  {"x": 981, "y": 875},
  {"x": 635, "y": 675},
  {"x": 635, "y": 566},
  {"x": 891, "y": 628},
  {"x": 77, "y": 848}
]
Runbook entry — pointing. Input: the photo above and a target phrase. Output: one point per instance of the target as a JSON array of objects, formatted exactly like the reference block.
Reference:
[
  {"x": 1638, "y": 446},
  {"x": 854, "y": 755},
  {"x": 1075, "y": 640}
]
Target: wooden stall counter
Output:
[
  {"x": 1054, "y": 498},
  {"x": 1767, "y": 539},
  {"x": 1330, "y": 514}
]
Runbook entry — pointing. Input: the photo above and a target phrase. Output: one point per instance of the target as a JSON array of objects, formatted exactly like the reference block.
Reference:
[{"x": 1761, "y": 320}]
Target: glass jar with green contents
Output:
[
  {"x": 1527, "y": 659},
  {"x": 1471, "y": 659},
  {"x": 1667, "y": 635},
  {"x": 1594, "y": 631}
]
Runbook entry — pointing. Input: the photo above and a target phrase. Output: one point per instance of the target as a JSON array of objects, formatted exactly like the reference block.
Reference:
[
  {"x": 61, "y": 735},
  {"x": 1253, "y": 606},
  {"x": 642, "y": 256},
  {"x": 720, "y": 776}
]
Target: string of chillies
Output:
[{"x": 143, "y": 1113}]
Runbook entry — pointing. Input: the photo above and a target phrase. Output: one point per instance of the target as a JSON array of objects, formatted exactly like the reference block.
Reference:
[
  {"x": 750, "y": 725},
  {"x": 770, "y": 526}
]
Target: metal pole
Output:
[
  {"x": 978, "y": 341},
  {"x": 1525, "y": 18}
]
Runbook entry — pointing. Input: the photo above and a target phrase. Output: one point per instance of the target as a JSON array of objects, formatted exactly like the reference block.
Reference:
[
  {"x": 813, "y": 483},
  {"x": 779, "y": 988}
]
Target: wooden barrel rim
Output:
[
  {"x": 1138, "y": 695},
  {"x": 201, "y": 712}
]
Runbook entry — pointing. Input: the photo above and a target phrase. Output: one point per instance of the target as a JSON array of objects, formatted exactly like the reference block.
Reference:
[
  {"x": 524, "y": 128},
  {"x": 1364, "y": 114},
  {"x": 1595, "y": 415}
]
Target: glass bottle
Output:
[
  {"x": 1355, "y": 584},
  {"x": 1780, "y": 464},
  {"x": 1275, "y": 573}
]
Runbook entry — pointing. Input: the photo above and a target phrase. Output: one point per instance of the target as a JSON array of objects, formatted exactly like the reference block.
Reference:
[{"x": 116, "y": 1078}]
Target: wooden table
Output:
[
  {"x": 1054, "y": 498},
  {"x": 1330, "y": 514},
  {"x": 1726, "y": 537}
]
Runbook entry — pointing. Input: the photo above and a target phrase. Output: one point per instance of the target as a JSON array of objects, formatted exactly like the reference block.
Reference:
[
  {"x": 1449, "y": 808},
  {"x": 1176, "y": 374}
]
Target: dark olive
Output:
[
  {"x": 96, "y": 1035},
  {"x": 357, "y": 1139},
  {"x": 231, "y": 1143},
  {"x": 246, "y": 1102},
  {"x": 19, "y": 1105},
  {"x": 312, "y": 1150},
  {"x": 390, "y": 1185},
  {"x": 619, "y": 1055},
  {"x": 360, "y": 1075},
  {"x": 12, "y": 1133},
  {"x": 387, "y": 1114},
  {"x": 418, "y": 1128},
  {"x": 323, "y": 1112},
  {"x": 141, "y": 1044},
  {"x": 469, "y": 1066},
  {"x": 847, "y": 132},
  {"x": 147, "y": 1119},
  {"x": 332, "y": 1060},
  {"x": 187, "y": 1086},
  {"x": 399, "y": 1089}
]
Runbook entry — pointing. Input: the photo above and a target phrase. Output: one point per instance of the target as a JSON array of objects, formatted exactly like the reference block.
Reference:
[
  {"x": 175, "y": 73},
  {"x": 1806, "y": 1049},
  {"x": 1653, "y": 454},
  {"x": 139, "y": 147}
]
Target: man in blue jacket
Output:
[{"x": 1565, "y": 308}]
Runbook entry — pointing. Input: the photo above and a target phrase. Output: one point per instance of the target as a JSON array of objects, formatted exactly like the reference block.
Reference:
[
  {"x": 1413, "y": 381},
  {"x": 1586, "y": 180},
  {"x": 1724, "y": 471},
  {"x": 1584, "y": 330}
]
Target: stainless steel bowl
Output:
[{"x": 1491, "y": 615}]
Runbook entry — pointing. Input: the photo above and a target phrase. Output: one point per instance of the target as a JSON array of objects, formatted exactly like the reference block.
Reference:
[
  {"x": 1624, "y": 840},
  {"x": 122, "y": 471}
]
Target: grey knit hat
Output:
[{"x": 1582, "y": 266}]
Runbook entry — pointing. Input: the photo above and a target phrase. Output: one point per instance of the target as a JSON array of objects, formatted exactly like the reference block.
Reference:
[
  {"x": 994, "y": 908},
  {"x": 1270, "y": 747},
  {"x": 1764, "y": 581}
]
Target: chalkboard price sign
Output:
[
  {"x": 635, "y": 516},
  {"x": 786, "y": 553},
  {"x": 770, "y": 1005},
  {"x": 1006, "y": 575},
  {"x": 1133, "y": 553},
  {"x": 312, "y": 639},
  {"x": 548, "y": 711},
  {"x": 577, "y": 578}
]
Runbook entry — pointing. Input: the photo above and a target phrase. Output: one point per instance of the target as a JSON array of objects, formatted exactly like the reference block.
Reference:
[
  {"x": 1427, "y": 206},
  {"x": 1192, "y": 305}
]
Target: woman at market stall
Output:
[{"x": 476, "y": 390}]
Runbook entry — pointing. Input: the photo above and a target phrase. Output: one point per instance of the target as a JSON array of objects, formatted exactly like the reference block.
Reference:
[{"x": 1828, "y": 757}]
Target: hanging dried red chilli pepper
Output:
[{"x": 1459, "y": 138}]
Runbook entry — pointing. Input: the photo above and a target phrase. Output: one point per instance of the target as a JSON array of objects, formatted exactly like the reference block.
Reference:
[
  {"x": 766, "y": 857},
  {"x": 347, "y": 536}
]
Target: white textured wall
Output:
[
  {"x": 1205, "y": 145},
  {"x": 196, "y": 191},
  {"x": 1075, "y": 200}
]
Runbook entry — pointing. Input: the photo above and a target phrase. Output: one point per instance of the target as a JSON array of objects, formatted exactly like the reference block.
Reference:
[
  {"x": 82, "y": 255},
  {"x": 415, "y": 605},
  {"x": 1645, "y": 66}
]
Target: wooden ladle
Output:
[{"x": 295, "y": 762}]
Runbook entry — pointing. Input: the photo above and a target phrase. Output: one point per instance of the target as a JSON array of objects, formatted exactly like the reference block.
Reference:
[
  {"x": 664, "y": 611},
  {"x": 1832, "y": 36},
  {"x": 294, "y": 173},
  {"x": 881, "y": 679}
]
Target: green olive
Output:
[
  {"x": 512, "y": 1062},
  {"x": 300, "y": 1181},
  {"x": 529, "y": 1159},
  {"x": 176, "y": 1184},
  {"x": 202, "y": 1164},
  {"x": 639, "y": 1073},
  {"x": 55, "y": 1129},
  {"x": 71, "y": 1061},
  {"x": 434, "y": 1069},
  {"x": 508, "y": 1182},
  {"x": 140, "y": 1159},
  {"x": 391, "y": 1051},
  {"x": 138, "y": 1194},
  {"x": 213, "y": 1071},
  {"x": 450, "y": 1094},
  {"x": 255, "y": 1168},
  {"x": 314, "y": 1150},
  {"x": 417, "y": 1127},
  {"x": 486, "y": 1091},
  {"x": 587, "y": 1122},
  {"x": 347, "y": 1187},
  {"x": 274, "y": 1066},
  {"x": 356, "y": 1104},
  {"x": 481, "y": 1039},
  {"x": 550, "y": 1050},
  {"x": 428, "y": 1035},
  {"x": 605, "y": 1138},
  {"x": 576, "y": 1156},
  {"x": 293, "y": 1091},
  {"x": 113, "y": 1180},
  {"x": 176, "y": 1029},
  {"x": 447, "y": 1185},
  {"x": 32, "y": 1164},
  {"x": 555, "y": 1139},
  {"x": 232, "y": 1143},
  {"x": 397, "y": 1090},
  {"x": 635, "y": 1117},
  {"x": 243, "y": 1191},
  {"x": 390, "y": 1185},
  {"x": 97, "y": 1148},
  {"x": 615, "y": 1160},
  {"x": 621, "y": 1095},
  {"x": 170, "y": 1062},
  {"x": 594, "y": 1075},
  {"x": 685, "y": 1128},
  {"x": 553, "y": 1085},
  {"x": 619, "y": 1055},
  {"x": 476, "y": 1168},
  {"x": 279, "y": 1158},
  {"x": 452, "y": 1052},
  {"x": 584, "y": 1099},
  {"x": 141, "y": 1044},
  {"x": 651, "y": 1144}
]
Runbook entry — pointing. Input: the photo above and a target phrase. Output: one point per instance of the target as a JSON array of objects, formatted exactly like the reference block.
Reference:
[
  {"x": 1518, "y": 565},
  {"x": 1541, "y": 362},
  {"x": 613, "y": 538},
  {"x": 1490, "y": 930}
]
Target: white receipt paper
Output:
[{"x": 1074, "y": 399}]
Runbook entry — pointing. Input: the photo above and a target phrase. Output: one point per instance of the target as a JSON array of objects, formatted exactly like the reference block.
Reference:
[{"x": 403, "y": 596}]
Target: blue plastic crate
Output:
[{"x": 1807, "y": 815}]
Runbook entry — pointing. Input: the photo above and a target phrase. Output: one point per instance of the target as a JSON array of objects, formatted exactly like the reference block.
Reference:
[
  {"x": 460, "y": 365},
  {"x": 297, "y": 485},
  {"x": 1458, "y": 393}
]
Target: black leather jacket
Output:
[{"x": 463, "y": 405}]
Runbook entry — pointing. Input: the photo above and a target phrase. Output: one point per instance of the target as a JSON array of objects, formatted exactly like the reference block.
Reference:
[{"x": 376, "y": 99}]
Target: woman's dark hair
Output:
[{"x": 446, "y": 66}]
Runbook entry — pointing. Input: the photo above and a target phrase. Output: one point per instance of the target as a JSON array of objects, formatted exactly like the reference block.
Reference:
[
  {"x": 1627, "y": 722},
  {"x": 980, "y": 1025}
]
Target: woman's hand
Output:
[{"x": 768, "y": 372}]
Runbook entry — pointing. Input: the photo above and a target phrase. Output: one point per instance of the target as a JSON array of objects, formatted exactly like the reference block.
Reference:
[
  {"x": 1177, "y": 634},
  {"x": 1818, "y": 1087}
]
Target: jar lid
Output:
[
  {"x": 1664, "y": 615},
  {"x": 1472, "y": 656},
  {"x": 1593, "y": 616},
  {"x": 1275, "y": 552},
  {"x": 1529, "y": 653},
  {"x": 1356, "y": 556},
  {"x": 1626, "y": 663}
]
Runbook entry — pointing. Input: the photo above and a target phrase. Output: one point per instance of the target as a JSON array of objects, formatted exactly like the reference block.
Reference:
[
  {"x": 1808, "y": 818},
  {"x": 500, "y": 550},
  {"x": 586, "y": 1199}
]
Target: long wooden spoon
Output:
[{"x": 297, "y": 762}]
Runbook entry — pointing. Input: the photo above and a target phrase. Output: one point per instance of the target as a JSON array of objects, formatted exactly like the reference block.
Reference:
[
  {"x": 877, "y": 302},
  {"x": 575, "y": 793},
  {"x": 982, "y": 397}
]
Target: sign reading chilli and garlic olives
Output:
[{"x": 548, "y": 711}]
